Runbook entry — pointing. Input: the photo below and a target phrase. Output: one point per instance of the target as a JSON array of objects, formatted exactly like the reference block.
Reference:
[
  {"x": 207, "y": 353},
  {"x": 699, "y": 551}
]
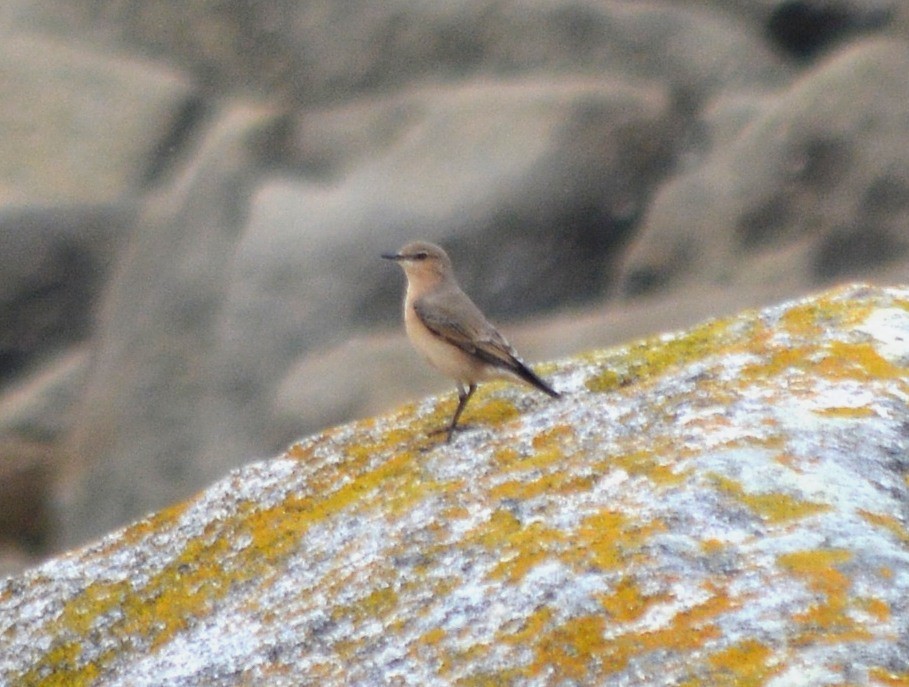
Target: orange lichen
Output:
[
  {"x": 579, "y": 650},
  {"x": 510, "y": 460},
  {"x": 746, "y": 664},
  {"x": 491, "y": 411},
  {"x": 809, "y": 320},
  {"x": 650, "y": 358},
  {"x": 626, "y": 602},
  {"x": 61, "y": 667},
  {"x": 889, "y": 523},
  {"x": 525, "y": 547},
  {"x": 888, "y": 678},
  {"x": 877, "y": 608},
  {"x": 573, "y": 650},
  {"x": 558, "y": 435},
  {"x": 98, "y": 599},
  {"x": 656, "y": 465},
  {"x": 608, "y": 538},
  {"x": 773, "y": 507},
  {"x": 605, "y": 381},
  {"x": 857, "y": 361},
  {"x": 531, "y": 628},
  {"x": 712, "y": 546},
  {"x": 776, "y": 360},
  {"x": 550, "y": 483},
  {"x": 827, "y": 619},
  {"x": 378, "y": 603},
  {"x": 846, "y": 411}
]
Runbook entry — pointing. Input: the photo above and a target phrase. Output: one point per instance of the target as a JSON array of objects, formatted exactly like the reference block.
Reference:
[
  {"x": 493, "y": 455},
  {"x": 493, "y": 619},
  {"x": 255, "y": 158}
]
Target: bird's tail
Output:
[{"x": 529, "y": 376}]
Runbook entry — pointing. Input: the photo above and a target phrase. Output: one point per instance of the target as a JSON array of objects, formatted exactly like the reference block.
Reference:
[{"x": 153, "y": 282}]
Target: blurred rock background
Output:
[{"x": 194, "y": 194}]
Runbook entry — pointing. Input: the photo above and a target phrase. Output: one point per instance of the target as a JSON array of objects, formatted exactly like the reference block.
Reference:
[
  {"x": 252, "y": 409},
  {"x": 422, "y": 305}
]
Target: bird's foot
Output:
[{"x": 447, "y": 431}]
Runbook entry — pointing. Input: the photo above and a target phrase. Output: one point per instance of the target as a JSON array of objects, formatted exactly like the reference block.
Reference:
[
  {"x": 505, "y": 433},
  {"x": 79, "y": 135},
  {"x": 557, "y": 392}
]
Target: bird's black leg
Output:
[{"x": 463, "y": 397}]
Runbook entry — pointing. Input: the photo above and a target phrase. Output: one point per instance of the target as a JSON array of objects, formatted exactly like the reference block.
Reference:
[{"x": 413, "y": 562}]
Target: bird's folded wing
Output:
[{"x": 481, "y": 339}]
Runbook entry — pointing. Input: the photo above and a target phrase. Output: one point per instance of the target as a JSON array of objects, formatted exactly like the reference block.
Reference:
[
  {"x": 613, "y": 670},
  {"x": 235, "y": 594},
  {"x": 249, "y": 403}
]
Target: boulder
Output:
[
  {"x": 153, "y": 395},
  {"x": 35, "y": 421},
  {"x": 81, "y": 126},
  {"x": 814, "y": 189},
  {"x": 325, "y": 51},
  {"x": 805, "y": 28},
  {"x": 371, "y": 372},
  {"x": 725, "y": 505},
  {"x": 55, "y": 262}
]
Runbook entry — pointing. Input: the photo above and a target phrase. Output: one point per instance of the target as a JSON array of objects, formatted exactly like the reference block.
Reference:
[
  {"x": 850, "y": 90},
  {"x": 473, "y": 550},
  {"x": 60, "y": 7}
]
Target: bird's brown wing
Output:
[
  {"x": 464, "y": 326},
  {"x": 459, "y": 322}
]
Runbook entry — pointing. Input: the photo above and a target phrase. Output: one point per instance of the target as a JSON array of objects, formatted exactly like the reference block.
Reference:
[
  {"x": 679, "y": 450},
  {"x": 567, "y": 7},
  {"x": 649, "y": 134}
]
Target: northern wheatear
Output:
[{"x": 446, "y": 327}]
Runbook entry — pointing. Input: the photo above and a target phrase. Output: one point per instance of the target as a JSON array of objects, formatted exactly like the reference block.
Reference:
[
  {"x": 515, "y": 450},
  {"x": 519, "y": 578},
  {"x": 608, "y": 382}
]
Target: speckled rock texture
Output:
[
  {"x": 194, "y": 195},
  {"x": 723, "y": 506}
]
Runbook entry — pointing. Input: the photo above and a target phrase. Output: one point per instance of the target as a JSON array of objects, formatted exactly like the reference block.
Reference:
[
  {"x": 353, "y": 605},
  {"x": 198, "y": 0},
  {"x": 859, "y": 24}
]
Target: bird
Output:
[{"x": 450, "y": 331}]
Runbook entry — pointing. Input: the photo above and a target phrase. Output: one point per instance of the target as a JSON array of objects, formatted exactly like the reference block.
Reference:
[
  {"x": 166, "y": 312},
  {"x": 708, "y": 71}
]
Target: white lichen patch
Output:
[{"x": 719, "y": 506}]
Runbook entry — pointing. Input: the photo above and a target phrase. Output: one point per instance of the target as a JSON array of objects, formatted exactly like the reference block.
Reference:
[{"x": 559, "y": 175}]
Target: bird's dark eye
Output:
[{"x": 422, "y": 255}]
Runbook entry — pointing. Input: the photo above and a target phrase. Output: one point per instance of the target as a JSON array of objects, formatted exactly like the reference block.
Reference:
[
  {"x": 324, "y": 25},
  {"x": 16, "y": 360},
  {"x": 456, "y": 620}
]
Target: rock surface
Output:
[
  {"x": 109, "y": 114},
  {"x": 572, "y": 155},
  {"x": 816, "y": 180},
  {"x": 725, "y": 505},
  {"x": 154, "y": 368}
]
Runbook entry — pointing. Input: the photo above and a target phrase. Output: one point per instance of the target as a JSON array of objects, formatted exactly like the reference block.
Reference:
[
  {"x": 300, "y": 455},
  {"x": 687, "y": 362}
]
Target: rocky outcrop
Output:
[
  {"x": 725, "y": 505},
  {"x": 192, "y": 196},
  {"x": 154, "y": 370},
  {"x": 813, "y": 186},
  {"x": 82, "y": 127}
]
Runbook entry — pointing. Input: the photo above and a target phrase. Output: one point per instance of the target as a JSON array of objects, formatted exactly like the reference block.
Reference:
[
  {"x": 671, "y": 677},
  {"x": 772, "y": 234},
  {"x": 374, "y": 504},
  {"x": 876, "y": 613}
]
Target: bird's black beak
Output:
[{"x": 392, "y": 256}]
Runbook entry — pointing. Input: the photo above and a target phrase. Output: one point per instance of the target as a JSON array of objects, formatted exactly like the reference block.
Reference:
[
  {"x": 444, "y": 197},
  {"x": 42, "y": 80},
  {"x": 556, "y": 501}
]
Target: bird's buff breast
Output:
[{"x": 446, "y": 358}]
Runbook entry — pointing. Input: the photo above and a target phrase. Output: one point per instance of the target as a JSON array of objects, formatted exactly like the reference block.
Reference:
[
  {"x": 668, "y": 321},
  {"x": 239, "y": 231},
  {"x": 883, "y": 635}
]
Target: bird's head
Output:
[{"x": 423, "y": 261}]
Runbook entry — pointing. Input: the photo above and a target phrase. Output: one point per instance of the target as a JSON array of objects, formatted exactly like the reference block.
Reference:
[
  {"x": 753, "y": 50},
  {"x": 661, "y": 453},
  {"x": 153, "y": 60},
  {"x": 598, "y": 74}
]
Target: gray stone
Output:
[
  {"x": 725, "y": 505},
  {"x": 39, "y": 407},
  {"x": 370, "y": 373},
  {"x": 152, "y": 400},
  {"x": 80, "y": 126},
  {"x": 55, "y": 262},
  {"x": 818, "y": 180},
  {"x": 326, "y": 51}
]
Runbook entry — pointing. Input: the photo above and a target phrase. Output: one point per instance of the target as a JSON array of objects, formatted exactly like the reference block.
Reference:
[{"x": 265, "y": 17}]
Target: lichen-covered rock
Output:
[{"x": 725, "y": 506}]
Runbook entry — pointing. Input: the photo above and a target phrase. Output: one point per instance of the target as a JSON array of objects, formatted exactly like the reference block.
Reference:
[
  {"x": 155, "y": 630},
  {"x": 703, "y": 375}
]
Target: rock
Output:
[
  {"x": 35, "y": 421},
  {"x": 806, "y": 27},
  {"x": 153, "y": 398},
  {"x": 369, "y": 373},
  {"x": 542, "y": 172},
  {"x": 817, "y": 184},
  {"x": 39, "y": 407},
  {"x": 82, "y": 127},
  {"x": 517, "y": 178},
  {"x": 317, "y": 52},
  {"x": 54, "y": 262},
  {"x": 724, "y": 505}
]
